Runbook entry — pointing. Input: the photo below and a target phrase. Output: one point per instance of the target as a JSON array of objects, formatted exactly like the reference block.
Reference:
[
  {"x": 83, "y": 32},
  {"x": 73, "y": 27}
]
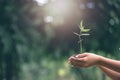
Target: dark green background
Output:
[{"x": 31, "y": 49}]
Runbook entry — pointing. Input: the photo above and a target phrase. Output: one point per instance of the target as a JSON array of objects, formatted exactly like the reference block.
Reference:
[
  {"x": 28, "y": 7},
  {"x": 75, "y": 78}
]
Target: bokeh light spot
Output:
[
  {"x": 112, "y": 22},
  {"x": 48, "y": 19},
  {"x": 90, "y": 5},
  {"x": 41, "y": 2}
]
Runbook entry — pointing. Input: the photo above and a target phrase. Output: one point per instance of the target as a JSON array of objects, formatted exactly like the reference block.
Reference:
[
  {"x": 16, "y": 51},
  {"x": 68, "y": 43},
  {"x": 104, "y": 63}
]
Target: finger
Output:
[
  {"x": 71, "y": 58},
  {"x": 80, "y": 64},
  {"x": 71, "y": 62},
  {"x": 80, "y": 60},
  {"x": 81, "y": 55},
  {"x": 76, "y": 64}
]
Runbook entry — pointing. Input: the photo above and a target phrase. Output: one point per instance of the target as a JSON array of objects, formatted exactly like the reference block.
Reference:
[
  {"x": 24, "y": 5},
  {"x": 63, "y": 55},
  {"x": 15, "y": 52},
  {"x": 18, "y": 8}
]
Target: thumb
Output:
[{"x": 80, "y": 59}]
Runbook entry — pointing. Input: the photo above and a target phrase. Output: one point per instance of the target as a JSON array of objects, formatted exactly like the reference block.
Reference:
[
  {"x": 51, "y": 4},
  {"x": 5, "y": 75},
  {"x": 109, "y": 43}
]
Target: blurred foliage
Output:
[{"x": 36, "y": 47}]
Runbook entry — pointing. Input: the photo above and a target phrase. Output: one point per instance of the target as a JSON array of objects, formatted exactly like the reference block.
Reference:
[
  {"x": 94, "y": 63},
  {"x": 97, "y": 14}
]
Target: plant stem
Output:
[
  {"x": 80, "y": 42},
  {"x": 81, "y": 47}
]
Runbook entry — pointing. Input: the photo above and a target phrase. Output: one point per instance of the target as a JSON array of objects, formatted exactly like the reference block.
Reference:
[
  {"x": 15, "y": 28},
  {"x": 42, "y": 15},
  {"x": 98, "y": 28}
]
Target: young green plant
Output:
[{"x": 82, "y": 32}]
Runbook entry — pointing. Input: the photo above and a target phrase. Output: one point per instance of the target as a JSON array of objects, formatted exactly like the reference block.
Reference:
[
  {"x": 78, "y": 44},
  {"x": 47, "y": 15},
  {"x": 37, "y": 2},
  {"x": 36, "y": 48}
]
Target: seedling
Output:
[{"x": 82, "y": 32}]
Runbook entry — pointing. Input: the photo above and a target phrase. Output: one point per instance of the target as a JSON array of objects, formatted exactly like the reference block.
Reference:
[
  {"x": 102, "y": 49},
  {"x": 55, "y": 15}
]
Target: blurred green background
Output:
[{"x": 36, "y": 37}]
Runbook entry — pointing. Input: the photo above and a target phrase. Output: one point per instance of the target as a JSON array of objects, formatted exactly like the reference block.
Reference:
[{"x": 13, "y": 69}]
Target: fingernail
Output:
[{"x": 76, "y": 56}]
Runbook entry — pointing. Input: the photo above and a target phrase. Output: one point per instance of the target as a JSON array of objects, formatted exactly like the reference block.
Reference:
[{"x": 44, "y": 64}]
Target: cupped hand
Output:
[{"x": 84, "y": 60}]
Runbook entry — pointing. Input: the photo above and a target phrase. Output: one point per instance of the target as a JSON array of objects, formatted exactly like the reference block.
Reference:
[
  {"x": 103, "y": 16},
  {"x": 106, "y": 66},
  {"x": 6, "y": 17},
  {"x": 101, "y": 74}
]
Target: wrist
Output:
[{"x": 100, "y": 60}]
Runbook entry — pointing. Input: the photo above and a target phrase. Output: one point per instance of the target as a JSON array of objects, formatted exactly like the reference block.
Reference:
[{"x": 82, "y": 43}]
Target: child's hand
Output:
[{"x": 84, "y": 60}]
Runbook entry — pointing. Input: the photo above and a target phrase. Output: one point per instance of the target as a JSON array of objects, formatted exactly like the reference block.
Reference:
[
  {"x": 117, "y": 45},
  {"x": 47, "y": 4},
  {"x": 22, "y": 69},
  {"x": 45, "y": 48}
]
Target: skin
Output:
[
  {"x": 111, "y": 73},
  {"x": 109, "y": 66}
]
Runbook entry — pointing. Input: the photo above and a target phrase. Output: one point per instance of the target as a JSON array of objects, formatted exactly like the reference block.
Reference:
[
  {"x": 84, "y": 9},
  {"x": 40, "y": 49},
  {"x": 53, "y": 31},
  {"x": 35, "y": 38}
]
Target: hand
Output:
[{"x": 84, "y": 60}]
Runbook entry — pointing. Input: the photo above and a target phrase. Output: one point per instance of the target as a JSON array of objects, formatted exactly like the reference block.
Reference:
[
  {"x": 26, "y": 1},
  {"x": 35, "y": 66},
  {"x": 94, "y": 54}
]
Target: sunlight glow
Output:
[
  {"x": 48, "y": 19},
  {"x": 59, "y": 9},
  {"x": 82, "y": 6},
  {"x": 41, "y": 2}
]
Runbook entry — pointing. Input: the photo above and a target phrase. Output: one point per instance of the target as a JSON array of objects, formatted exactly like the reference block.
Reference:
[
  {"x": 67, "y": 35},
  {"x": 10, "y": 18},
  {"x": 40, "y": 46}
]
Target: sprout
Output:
[{"x": 83, "y": 32}]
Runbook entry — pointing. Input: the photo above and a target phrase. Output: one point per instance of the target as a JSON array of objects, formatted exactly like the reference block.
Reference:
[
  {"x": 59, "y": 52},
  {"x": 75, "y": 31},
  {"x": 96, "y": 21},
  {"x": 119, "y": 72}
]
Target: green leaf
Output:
[
  {"x": 82, "y": 29},
  {"x": 76, "y": 33},
  {"x": 85, "y": 34},
  {"x": 81, "y": 25},
  {"x": 85, "y": 30}
]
